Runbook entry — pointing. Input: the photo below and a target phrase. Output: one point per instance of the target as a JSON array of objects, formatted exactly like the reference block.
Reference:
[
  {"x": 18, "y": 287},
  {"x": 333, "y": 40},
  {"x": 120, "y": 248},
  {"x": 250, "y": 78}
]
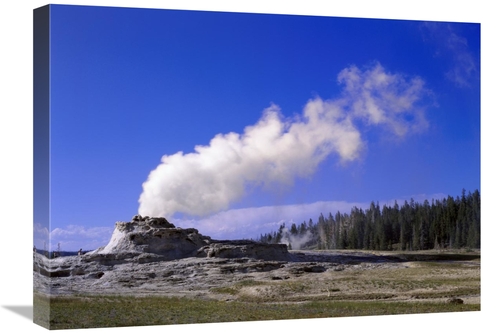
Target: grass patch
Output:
[{"x": 113, "y": 311}]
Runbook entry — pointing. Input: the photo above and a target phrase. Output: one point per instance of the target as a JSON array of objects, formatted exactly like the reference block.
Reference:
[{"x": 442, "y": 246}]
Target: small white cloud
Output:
[
  {"x": 74, "y": 237},
  {"x": 464, "y": 66},
  {"x": 40, "y": 236},
  {"x": 384, "y": 99}
]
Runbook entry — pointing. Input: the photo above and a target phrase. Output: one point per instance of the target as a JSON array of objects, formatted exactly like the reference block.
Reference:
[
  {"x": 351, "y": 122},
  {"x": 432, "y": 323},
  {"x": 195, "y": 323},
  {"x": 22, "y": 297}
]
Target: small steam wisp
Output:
[{"x": 295, "y": 242}]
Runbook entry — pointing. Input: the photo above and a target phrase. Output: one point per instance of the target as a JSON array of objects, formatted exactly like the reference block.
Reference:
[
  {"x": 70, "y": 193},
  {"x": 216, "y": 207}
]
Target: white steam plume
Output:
[
  {"x": 295, "y": 242},
  {"x": 277, "y": 150}
]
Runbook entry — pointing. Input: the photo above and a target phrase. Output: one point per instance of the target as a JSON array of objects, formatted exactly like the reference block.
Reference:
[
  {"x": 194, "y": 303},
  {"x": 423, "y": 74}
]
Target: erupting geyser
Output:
[{"x": 277, "y": 150}]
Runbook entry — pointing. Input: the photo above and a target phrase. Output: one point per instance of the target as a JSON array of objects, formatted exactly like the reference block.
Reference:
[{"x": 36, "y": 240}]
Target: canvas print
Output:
[{"x": 206, "y": 167}]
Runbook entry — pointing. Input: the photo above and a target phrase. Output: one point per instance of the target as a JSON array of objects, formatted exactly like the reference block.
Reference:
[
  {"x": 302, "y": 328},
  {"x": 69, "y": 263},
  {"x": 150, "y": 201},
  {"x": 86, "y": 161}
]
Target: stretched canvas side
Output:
[{"x": 41, "y": 155}]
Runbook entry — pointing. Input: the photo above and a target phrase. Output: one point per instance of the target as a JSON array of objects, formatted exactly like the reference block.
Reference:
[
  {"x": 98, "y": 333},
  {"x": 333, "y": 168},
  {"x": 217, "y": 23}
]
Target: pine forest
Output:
[{"x": 447, "y": 223}]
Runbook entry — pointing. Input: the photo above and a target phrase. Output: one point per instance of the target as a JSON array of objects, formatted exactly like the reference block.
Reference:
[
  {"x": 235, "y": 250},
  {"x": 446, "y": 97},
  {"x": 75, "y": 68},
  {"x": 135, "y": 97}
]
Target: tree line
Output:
[{"x": 451, "y": 222}]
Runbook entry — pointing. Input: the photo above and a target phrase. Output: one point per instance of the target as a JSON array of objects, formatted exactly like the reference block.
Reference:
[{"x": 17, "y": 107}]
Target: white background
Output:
[{"x": 16, "y": 162}]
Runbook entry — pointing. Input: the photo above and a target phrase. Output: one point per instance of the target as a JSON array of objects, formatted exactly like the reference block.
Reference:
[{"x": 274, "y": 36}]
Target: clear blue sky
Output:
[{"x": 130, "y": 86}]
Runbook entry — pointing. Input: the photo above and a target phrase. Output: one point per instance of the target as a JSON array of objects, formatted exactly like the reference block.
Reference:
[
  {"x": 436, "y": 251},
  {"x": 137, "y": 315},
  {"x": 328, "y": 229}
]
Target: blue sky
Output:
[{"x": 291, "y": 116}]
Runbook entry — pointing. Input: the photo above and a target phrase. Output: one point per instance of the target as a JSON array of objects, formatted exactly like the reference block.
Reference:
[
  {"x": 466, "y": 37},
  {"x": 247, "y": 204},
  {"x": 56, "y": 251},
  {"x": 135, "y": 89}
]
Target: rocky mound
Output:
[
  {"x": 145, "y": 235},
  {"x": 148, "y": 240},
  {"x": 243, "y": 248}
]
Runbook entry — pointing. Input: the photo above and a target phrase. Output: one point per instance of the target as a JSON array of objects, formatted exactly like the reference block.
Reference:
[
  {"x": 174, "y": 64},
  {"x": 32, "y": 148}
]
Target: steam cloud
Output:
[
  {"x": 295, "y": 241},
  {"x": 276, "y": 150}
]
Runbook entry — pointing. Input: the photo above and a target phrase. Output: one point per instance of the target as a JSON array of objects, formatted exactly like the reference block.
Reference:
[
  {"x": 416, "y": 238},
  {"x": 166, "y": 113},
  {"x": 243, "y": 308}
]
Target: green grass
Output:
[{"x": 112, "y": 311}]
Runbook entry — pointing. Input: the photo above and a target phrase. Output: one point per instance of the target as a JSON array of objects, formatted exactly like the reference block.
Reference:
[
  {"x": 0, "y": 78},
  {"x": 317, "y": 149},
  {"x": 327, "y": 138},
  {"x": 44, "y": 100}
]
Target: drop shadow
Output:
[{"x": 26, "y": 311}]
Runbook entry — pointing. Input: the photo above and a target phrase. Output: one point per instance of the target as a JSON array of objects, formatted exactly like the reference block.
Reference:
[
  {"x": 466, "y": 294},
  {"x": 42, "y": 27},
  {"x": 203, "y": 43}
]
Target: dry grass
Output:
[{"x": 432, "y": 281}]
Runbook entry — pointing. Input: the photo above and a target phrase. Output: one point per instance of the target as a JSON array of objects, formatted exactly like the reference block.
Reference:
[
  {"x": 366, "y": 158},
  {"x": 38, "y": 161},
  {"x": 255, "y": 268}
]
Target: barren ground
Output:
[{"x": 310, "y": 276}]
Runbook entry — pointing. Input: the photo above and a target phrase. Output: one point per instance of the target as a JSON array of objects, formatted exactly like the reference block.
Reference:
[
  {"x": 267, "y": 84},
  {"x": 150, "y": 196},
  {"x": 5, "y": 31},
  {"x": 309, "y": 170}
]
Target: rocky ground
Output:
[
  {"x": 307, "y": 275},
  {"x": 148, "y": 256},
  {"x": 191, "y": 276}
]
